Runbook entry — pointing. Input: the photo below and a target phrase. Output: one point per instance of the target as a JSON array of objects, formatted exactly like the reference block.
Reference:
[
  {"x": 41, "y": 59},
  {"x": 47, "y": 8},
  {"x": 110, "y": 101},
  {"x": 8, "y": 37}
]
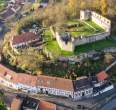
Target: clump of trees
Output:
[
  {"x": 26, "y": 22},
  {"x": 72, "y": 7},
  {"x": 2, "y": 104},
  {"x": 54, "y": 15},
  {"x": 104, "y": 7}
]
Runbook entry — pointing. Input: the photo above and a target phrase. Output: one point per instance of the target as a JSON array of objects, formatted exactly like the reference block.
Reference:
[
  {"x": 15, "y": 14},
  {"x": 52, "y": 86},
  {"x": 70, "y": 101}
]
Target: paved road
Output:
[
  {"x": 110, "y": 105},
  {"x": 10, "y": 94}
]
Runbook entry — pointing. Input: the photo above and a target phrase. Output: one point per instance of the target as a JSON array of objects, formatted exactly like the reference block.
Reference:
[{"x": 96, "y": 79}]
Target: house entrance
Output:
[{"x": 83, "y": 93}]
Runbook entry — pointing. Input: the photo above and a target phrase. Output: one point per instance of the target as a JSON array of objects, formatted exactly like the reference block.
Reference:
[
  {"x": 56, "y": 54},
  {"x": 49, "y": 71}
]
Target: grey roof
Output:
[
  {"x": 30, "y": 103},
  {"x": 82, "y": 84}
]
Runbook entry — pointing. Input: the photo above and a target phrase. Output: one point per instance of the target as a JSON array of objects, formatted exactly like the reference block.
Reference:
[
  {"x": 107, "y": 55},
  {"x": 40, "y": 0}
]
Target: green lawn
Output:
[
  {"x": 52, "y": 45},
  {"x": 97, "y": 27},
  {"x": 95, "y": 46},
  {"x": 84, "y": 29}
]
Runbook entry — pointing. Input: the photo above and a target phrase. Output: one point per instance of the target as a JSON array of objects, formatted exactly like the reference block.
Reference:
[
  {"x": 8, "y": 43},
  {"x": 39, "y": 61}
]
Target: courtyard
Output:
[
  {"x": 78, "y": 28},
  {"x": 52, "y": 46}
]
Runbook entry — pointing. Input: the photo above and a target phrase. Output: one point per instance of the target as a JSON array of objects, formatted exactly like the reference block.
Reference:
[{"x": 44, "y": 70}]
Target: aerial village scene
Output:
[{"x": 57, "y": 54}]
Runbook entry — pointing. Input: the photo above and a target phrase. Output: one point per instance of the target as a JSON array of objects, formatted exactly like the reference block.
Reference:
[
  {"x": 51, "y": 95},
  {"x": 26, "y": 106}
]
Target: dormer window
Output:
[{"x": 9, "y": 77}]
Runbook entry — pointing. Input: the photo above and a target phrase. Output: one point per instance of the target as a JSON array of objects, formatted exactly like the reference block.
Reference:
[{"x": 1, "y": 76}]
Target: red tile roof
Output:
[
  {"x": 55, "y": 82},
  {"x": 25, "y": 37},
  {"x": 43, "y": 105},
  {"x": 40, "y": 80},
  {"x": 17, "y": 77},
  {"x": 102, "y": 76},
  {"x": 16, "y": 104}
]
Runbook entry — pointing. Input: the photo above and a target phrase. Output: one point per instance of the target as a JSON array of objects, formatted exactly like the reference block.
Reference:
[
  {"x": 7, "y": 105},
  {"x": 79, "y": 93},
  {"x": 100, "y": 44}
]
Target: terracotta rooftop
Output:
[
  {"x": 16, "y": 104},
  {"x": 102, "y": 76},
  {"x": 17, "y": 78},
  {"x": 43, "y": 105},
  {"x": 55, "y": 82},
  {"x": 48, "y": 81},
  {"x": 25, "y": 37},
  {"x": 41, "y": 80}
]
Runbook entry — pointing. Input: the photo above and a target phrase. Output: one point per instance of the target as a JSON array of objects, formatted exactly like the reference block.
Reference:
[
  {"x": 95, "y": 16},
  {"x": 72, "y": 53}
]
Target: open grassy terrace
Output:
[
  {"x": 99, "y": 45},
  {"x": 83, "y": 28},
  {"x": 53, "y": 47}
]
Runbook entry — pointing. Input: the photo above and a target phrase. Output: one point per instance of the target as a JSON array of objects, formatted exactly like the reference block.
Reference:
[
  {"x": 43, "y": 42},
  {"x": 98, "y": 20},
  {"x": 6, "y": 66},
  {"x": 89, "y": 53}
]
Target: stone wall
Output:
[
  {"x": 97, "y": 18},
  {"x": 85, "y": 15},
  {"x": 90, "y": 39},
  {"x": 68, "y": 47},
  {"x": 101, "y": 21}
]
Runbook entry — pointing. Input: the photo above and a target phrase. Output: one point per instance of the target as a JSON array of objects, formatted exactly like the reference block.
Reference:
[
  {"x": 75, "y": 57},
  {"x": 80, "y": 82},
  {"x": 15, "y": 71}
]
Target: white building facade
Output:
[{"x": 78, "y": 89}]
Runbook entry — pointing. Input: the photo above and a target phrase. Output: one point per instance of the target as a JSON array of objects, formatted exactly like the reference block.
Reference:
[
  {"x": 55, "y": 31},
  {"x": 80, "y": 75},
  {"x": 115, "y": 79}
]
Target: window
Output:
[
  {"x": 41, "y": 90},
  {"x": 87, "y": 92},
  {"x": 70, "y": 96},
  {"x": 79, "y": 93},
  {"x": 83, "y": 93},
  {"x": 46, "y": 92}
]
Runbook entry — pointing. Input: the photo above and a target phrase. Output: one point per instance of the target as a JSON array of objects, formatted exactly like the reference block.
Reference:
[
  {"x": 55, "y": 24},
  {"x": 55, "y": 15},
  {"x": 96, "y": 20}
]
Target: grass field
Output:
[
  {"x": 53, "y": 47},
  {"x": 85, "y": 29},
  {"x": 99, "y": 45},
  {"x": 89, "y": 28}
]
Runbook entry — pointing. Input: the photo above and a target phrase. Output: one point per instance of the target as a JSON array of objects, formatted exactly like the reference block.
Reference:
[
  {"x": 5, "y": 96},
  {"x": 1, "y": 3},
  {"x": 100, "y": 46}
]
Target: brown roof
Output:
[
  {"x": 16, "y": 104},
  {"x": 26, "y": 79},
  {"x": 40, "y": 80},
  {"x": 46, "y": 81},
  {"x": 17, "y": 77},
  {"x": 55, "y": 82},
  {"x": 25, "y": 37},
  {"x": 102, "y": 76},
  {"x": 43, "y": 105},
  {"x": 7, "y": 73}
]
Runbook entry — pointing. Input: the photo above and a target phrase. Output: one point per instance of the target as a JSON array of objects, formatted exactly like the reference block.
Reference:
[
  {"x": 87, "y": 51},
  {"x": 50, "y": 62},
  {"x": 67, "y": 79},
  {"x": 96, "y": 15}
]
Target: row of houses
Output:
[{"x": 82, "y": 87}]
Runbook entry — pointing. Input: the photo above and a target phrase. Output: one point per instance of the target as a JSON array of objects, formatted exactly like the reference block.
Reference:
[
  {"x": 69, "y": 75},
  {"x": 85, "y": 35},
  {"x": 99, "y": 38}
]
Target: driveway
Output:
[{"x": 64, "y": 102}]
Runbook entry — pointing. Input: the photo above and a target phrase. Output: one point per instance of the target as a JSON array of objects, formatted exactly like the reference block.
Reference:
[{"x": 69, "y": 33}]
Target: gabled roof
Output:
[
  {"x": 40, "y": 80},
  {"x": 30, "y": 103},
  {"x": 17, "y": 77},
  {"x": 82, "y": 83},
  {"x": 55, "y": 82},
  {"x": 9, "y": 12},
  {"x": 102, "y": 76},
  {"x": 43, "y": 105},
  {"x": 48, "y": 81},
  {"x": 16, "y": 104},
  {"x": 23, "y": 38}
]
